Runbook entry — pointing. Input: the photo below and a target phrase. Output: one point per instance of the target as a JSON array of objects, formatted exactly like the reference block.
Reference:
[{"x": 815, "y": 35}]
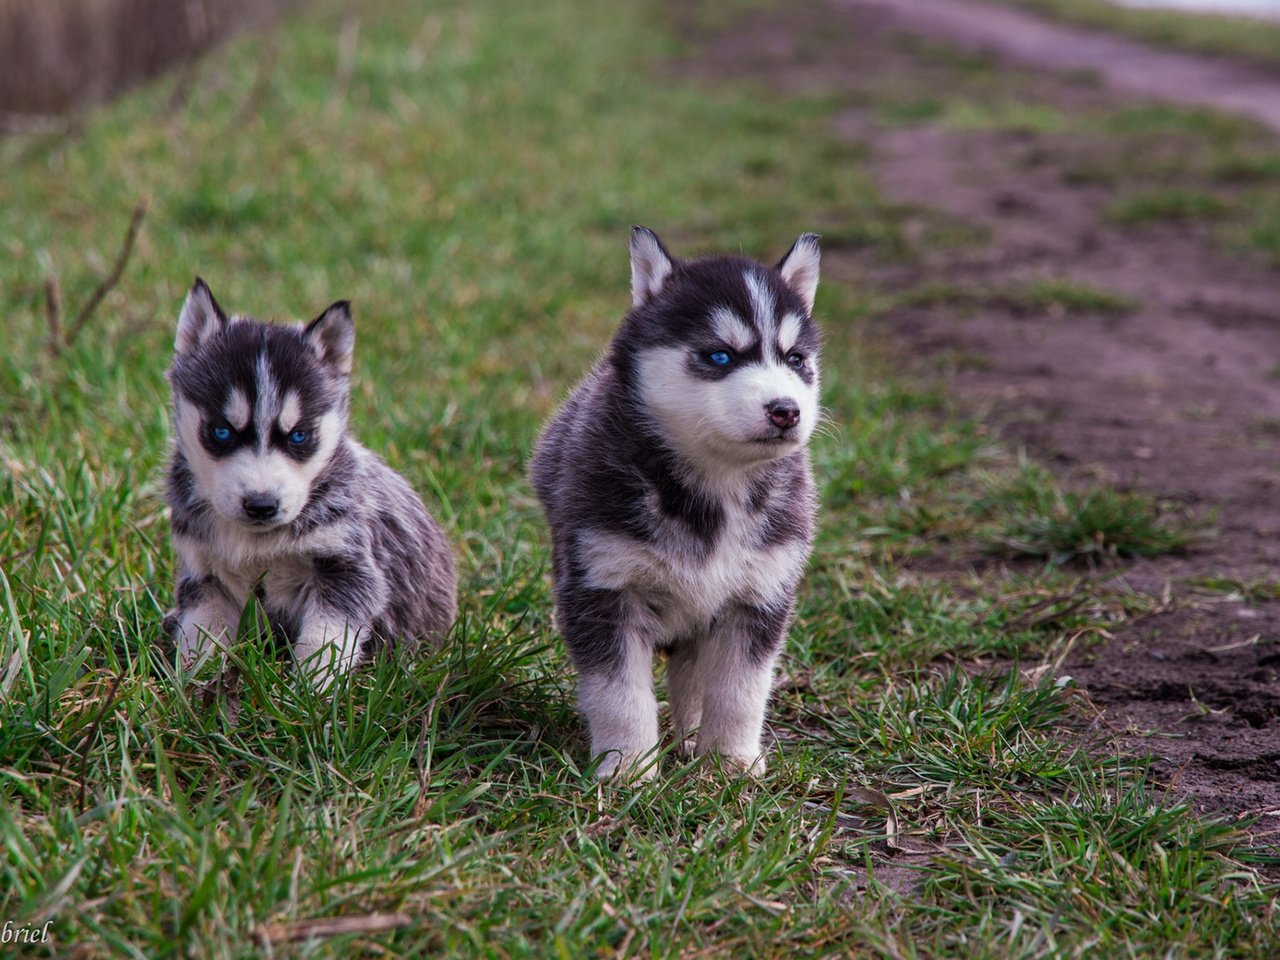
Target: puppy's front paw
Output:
[
  {"x": 750, "y": 766},
  {"x": 325, "y": 651},
  {"x": 623, "y": 765}
]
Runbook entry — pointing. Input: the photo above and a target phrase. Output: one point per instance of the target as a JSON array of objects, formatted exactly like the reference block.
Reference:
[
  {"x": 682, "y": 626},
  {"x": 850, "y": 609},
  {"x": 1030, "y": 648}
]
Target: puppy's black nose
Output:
[
  {"x": 260, "y": 506},
  {"x": 783, "y": 413}
]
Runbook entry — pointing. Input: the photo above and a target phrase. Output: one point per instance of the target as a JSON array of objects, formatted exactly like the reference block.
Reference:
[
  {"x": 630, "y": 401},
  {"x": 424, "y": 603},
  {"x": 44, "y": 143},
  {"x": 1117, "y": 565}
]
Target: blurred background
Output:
[
  {"x": 56, "y": 57},
  {"x": 67, "y": 55}
]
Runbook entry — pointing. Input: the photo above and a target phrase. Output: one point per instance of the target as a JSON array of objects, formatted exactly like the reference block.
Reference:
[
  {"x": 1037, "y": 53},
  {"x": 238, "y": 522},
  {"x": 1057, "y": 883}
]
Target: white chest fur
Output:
[
  {"x": 244, "y": 561},
  {"x": 688, "y": 586}
]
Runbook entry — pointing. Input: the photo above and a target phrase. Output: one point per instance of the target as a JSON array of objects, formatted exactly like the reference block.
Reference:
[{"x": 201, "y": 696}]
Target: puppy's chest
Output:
[
  {"x": 688, "y": 579},
  {"x": 281, "y": 587},
  {"x": 278, "y": 570}
]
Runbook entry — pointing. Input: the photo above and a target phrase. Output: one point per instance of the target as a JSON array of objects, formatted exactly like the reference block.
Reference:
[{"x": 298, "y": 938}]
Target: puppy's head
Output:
[
  {"x": 723, "y": 351},
  {"x": 259, "y": 409}
]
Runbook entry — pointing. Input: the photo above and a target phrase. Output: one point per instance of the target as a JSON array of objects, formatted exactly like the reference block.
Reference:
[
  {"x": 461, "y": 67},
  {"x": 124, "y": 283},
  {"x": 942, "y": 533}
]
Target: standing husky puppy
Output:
[
  {"x": 270, "y": 496},
  {"x": 676, "y": 483}
]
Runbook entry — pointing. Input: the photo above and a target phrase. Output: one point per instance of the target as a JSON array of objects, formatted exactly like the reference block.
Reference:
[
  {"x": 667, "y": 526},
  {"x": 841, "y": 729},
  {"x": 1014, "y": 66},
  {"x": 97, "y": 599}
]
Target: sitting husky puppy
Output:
[
  {"x": 269, "y": 495},
  {"x": 676, "y": 483}
]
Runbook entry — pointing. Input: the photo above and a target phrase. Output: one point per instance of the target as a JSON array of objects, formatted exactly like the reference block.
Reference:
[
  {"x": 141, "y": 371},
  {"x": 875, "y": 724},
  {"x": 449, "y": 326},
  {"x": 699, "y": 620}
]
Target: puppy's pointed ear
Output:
[
  {"x": 201, "y": 318},
  {"x": 651, "y": 265},
  {"x": 333, "y": 337},
  {"x": 799, "y": 268}
]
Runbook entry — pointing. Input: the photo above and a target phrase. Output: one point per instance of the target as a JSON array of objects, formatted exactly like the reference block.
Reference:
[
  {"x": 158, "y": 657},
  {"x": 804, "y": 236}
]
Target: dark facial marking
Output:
[
  {"x": 680, "y": 315},
  {"x": 301, "y": 451},
  {"x": 206, "y": 377},
  {"x": 220, "y": 439}
]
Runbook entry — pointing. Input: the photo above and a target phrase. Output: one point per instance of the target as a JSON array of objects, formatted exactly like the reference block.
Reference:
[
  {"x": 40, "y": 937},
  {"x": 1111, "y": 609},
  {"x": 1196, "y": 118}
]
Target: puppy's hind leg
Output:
[
  {"x": 684, "y": 690},
  {"x": 737, "y": 672}
]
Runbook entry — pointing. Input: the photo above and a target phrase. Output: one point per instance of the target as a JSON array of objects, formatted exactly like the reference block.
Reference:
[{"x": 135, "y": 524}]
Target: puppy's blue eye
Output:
[
  {"x": 720, "y": 358},
  {"x": 298, "y": 437},
  {"x": 796, "y": 359},
  {"x": 221, "y": 434}
]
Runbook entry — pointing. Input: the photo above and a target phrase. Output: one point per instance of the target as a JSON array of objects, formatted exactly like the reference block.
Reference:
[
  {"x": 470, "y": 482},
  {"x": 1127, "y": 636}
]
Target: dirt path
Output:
[
  {"x": 1128, "y": 67},
  {"x": 1176, "y": 398},
  {"x": 1180, "y": 396}
]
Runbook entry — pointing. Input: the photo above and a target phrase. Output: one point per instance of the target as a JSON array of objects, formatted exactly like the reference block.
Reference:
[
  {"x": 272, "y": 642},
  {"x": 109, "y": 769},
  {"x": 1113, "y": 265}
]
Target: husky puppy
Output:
[
  {"x": 269, "y": 495},
  {"x": 676, "y": 483}
]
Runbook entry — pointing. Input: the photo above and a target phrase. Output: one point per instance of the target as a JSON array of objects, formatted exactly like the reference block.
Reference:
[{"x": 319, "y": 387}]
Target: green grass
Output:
[
  {"x": 471, "y": 192},
  {"x": 1012, "y": 116}
]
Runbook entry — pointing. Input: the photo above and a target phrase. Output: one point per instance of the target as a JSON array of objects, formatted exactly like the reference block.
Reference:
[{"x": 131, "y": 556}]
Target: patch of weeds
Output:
[
  {"x": 1033, "y": 516},
  {"x": 1240, "y": 167},
  {"x": 909, "y": 112},
  {"x": 1264, "y": 426},
  {"x": 1006, "y": 116},
  {"x": 1088, "y": 173},
  {"x": 1053, "y": 296},
  {"x": 1147, "y": 119},
  {"x": 896, "y": 624},
  {"x": 1250, "y": 591},
  {"x": 1264, "y": 236},
  {"x": 1173, "y": 204},
  {"x": 964, "y": 360},
  {"x": 965, "y": 732},
  {"x": 1059, "y": 295}
]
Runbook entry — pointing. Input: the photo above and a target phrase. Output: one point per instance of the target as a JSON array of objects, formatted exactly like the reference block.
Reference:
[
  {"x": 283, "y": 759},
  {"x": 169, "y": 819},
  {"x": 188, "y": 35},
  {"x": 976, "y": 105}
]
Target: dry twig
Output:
[
  {"x": 87, "y": 743},
  {"x": 261, "y": 84},
  {"x": 269, "y": 933},
  {"x": 53, "y": 312},
  {"x": 348, "y": 43},
  {"x": 108, "y": 282}
]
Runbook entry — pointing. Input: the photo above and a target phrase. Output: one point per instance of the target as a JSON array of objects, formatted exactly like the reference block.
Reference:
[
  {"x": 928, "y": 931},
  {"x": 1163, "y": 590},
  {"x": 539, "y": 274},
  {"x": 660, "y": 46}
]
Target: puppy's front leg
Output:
[
  {"x": 327, "y": 646},
  {"x": 613, "y": 654},
  {"x": 203, "y": 618},
  {"x": 736, "y": 668},
  {"x": 336, "y": 619}
]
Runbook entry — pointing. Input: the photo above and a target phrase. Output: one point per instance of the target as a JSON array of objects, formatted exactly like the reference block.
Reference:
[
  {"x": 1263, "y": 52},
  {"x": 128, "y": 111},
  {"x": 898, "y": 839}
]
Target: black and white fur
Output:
[
  {"x": 681, "y": 504},
  {"x": 269, "y": 495}
]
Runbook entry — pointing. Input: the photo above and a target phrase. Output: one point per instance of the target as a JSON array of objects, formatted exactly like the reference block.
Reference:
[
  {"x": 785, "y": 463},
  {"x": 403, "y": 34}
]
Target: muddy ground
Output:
[{"x": 1178, "y": 396}]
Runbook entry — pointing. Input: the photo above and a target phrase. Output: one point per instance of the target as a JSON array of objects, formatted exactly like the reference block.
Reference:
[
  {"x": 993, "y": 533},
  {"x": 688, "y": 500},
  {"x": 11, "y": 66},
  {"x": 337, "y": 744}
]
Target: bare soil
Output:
[{"x": 1179, "y": 397}]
